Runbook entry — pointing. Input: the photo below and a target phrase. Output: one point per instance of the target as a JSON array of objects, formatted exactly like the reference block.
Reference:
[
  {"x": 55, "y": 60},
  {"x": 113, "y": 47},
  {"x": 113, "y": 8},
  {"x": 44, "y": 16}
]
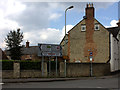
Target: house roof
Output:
[
  {"x": 81, "y": 21},
  {"x": 63, "y": 38},
  {"x": 75, "y": 25},
  {"x": 31, "y": 50},
  {"x": 27, "y": 51},
  {"x": 114, "y": 30}
]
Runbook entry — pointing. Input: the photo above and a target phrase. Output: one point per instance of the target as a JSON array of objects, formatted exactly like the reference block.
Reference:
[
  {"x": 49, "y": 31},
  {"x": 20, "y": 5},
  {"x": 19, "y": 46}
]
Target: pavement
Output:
[{"x": 25, "y": 80}]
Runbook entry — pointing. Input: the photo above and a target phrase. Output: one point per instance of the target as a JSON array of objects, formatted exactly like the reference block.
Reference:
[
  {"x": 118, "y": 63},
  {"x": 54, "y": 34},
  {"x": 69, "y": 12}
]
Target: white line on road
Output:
[{"x": 1, "y": 83}]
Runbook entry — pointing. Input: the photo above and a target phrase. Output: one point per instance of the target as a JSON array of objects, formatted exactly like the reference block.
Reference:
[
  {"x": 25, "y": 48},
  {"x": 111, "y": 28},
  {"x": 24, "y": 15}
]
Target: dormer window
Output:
[
  {"x": 96, "y": 27},
  {"x": 83, "y": 27}
]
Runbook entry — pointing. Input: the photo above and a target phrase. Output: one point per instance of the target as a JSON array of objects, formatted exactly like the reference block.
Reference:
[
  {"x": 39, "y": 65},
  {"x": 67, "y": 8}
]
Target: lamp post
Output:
[
  {"x": 65, "y": 16},
  {"x": 65, "y": 32}
]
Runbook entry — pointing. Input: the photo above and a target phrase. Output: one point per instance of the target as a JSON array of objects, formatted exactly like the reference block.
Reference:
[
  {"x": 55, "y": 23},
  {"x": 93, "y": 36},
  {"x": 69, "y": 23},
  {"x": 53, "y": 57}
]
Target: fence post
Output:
[
  {"x": 62, "y": 69},
  {"x": 16, "y": 70},
  {"x": 44, "y": 70}
]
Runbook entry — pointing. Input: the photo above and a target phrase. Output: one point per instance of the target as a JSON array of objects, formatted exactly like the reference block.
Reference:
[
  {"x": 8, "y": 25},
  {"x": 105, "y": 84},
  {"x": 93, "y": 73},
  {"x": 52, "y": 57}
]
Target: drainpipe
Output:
[{"x": 109, "y": 47}]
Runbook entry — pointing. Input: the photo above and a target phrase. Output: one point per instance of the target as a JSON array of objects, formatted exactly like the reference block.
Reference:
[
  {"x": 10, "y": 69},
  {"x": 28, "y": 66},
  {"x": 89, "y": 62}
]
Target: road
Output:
[{"x": 86, "y": 83}]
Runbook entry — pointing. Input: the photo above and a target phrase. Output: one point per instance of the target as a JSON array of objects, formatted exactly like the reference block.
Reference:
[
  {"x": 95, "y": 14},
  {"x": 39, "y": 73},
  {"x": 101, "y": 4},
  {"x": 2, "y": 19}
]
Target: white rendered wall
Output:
[{"x": 114, "y": 54}]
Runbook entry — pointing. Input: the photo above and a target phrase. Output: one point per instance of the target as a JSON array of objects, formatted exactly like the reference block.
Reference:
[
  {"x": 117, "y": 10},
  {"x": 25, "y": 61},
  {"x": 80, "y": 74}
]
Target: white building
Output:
[{"x": 115, "y": 48}]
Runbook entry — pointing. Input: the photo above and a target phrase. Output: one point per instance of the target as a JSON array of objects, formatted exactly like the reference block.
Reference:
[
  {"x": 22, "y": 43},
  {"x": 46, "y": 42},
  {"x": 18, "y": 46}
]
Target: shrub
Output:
[
  {"x": 30, "y": 65},
  {"x": 24, "y": 65},
  {"x": 7, "y": 64}
]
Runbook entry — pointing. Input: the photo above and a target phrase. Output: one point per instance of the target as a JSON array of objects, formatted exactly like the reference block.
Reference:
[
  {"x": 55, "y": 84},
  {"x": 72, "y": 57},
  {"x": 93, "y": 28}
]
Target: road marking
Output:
[
  {"x": 1, "y": 83},
  {"x": 99, "y": 87}
]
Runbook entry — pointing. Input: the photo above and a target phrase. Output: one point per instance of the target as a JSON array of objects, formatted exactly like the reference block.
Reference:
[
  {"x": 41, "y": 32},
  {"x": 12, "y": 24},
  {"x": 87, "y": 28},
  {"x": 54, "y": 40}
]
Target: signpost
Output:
[
  {"x": 49, "y": 66},
  {"x": 56, "y": 66},
  {"x": 91, "y": 59},
  {"x": 91, "y": 66},
  {"x": 49, "y": 50},
  {"x": 65, "y": 68}
]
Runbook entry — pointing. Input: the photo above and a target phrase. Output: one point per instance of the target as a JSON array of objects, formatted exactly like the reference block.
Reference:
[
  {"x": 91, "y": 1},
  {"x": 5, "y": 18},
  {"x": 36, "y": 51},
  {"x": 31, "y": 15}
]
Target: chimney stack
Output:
[
  {"x": 118, "y": 23},
  {"x": 89, "y": 11},
  {"x": 27, "y": 44}
]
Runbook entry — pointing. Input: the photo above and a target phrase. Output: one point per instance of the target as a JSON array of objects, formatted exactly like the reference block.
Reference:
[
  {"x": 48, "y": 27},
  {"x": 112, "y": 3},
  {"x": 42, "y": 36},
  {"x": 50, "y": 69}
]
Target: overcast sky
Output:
[{"x": 43, "y": 22}]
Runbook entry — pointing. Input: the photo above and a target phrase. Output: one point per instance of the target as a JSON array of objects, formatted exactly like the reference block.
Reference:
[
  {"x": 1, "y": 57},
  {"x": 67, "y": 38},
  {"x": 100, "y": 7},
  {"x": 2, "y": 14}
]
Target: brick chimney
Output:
[
  {"x": 118, "y": 23},
  {"x": 89, "y": 22},
  {"x": 89, "y": 11},
  {"x": 27, "y": 44}
]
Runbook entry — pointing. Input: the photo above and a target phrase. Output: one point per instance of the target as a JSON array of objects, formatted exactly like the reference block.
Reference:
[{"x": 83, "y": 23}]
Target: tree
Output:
[{"x": 13, "y": 43}]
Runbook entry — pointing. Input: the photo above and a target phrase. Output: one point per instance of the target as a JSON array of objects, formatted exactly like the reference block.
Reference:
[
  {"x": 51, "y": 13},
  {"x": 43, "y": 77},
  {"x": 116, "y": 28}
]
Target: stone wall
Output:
[
  {"x": 7, "y": 74},
  {"x": 72, "y": 70},
  {"x": 83, "y": 69},
  {"x": 30, "y": 74}
]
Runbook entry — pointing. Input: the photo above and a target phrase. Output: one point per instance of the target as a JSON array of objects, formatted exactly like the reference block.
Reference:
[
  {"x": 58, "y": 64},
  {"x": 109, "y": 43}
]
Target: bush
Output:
[
  {"x": 24, "y": 65},
  {"x": 7, "y": 64},
  {"x": 30, "y": 65}
]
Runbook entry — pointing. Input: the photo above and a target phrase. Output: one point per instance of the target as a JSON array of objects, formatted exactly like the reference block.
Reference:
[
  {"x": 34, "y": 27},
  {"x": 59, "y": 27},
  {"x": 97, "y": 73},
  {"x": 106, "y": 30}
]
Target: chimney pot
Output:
[
  {"x": 27, "y": 44},
  {"x": 90, "y": 11}
]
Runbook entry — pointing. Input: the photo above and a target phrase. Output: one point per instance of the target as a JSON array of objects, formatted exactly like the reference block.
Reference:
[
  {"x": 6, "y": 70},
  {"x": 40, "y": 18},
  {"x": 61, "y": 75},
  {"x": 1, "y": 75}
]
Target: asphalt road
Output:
[{"x": 86, "y": 83}]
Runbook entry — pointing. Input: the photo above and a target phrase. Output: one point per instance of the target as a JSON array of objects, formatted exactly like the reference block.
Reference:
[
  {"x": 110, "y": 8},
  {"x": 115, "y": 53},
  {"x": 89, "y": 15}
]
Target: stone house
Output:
[
  {"x": 30, "y": 52},
  {"x": 88, "y": 40},
  {"x": 115, "y": 47}
]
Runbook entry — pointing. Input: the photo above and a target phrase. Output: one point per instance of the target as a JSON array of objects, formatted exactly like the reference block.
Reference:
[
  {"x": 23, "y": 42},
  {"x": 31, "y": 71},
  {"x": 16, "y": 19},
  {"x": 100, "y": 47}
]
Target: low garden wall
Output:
[
  {"x": 83, "y": 69},
  {"x": 34, "y": 70}
]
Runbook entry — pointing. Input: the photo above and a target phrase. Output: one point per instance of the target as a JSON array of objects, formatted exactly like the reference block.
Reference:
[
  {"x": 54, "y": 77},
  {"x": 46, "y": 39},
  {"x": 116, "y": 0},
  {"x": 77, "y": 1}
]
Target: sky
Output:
[{"x": 44, "y": 22}]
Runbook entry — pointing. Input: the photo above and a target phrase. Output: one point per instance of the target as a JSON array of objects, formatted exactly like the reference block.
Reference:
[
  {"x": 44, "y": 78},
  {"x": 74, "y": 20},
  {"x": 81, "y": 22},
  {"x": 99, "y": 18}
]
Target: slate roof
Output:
[
  {"x": 114, "y": 31},
  {"x": 27, "y": 51},
  {"x": 31, "y": 50}
]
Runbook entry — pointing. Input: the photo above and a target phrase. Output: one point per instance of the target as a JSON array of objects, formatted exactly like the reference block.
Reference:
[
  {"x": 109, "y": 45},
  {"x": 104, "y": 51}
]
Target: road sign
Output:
[
  {"x": 91, "y": 58},
  {"x": 49, "y": 50},
  {"x": 91, "y": 53}
]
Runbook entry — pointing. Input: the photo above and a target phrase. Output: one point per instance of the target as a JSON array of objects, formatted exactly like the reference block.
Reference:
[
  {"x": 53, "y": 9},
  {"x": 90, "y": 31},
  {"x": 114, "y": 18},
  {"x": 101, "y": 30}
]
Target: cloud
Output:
[
  {"x": 55, "y": 16},
  {"x": 49, "y": 35},
  {"x": 68, "y": 27},
  {"x": 34, "y": 19},
  {"x": 113, "y": 23}
]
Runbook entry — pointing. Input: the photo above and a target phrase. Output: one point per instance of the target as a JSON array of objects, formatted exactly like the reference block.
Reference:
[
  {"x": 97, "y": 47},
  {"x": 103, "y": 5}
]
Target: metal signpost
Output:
[
  {"x": 49, "y": 50},
  {"x": 91, "y": 59},
  {"x": 49, "y": 65},
  {"x": 65, "y": 68},
  {"x": 56, "y": 66},
  {"x": 42, "y": 65},
  {"x": 91, "y": 66}
]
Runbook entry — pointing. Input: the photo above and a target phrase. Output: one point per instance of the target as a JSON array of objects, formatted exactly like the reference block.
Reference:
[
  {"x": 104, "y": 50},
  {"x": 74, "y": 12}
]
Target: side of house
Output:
[
  {"x": 88, "y": 39},
  {"x": 115, "y": 48}
]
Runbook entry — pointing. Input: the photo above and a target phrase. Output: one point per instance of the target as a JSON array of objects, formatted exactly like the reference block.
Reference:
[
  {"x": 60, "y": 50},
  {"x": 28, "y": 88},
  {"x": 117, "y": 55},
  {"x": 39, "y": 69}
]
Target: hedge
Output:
[
  {"x": 30, "y": 65},
  {"x": 27, "y": 65},
  {"x": 24, "y": 65},
  {"x": 7, "y": 64}
]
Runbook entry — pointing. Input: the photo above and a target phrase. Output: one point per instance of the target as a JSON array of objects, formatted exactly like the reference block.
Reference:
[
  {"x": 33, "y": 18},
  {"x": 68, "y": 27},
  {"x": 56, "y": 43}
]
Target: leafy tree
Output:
[{"x": 13, "y": 43}]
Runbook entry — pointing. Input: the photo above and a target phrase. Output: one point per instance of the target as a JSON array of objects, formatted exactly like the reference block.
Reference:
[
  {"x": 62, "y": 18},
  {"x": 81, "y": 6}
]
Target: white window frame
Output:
[
  {"x": 83, "y": 26},
  {"x": 97, "y": 26}
]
